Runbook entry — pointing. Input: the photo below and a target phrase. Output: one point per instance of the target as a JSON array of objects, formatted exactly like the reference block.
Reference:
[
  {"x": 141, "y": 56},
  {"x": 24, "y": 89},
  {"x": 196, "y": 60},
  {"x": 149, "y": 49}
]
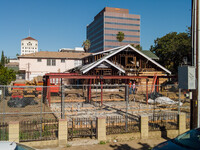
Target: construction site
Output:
[
  {"x": 102, "y": 86},
  {"x": 121, "y": 85},
  {"x": 83, "y": 101}
]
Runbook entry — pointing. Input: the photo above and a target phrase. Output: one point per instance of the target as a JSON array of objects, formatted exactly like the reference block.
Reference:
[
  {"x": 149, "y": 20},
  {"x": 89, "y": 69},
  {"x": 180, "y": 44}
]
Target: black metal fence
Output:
[
  {"x": 81, "y": 127},
  {"x": 122, "y": 124},
  {"x": 3, "y": 131},
  {"x": 163, "y": 121},
  {"x": 38, "y": 130}
]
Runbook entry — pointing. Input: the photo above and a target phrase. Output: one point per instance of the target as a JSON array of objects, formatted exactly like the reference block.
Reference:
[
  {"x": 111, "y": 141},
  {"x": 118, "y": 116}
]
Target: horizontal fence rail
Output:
[
  {"x": 81, "y": 127},
  {"x": 38, "y": 130},
  {"x": 163, "y": 121},
  {"x": 120, "y": 124}
]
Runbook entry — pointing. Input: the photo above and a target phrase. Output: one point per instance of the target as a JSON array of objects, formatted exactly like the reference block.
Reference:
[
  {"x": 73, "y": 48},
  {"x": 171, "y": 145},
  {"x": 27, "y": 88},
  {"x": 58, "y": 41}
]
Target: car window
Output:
[
  {"x": 23, "y": 147},
  {"x": 189, "y": 139}
]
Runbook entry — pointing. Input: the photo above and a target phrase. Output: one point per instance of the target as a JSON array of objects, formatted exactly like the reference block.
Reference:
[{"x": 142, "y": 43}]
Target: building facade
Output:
[
  {"x": 29, "y": 45},
  {"x": 107, "y": 23},
  {"x": 40, "y": 63}
]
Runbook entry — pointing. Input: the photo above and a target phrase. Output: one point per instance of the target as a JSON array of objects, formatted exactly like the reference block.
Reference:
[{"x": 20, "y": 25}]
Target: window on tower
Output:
[{"x": 29, "y": 43}]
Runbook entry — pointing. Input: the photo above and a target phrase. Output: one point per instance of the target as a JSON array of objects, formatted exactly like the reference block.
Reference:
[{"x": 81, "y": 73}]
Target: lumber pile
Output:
[{"x": 26, "y": 88}]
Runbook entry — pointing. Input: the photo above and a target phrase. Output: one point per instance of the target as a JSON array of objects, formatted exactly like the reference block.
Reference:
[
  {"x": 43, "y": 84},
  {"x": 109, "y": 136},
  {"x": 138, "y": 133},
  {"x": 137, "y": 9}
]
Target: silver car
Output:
[{"x": 6, "y": 145}]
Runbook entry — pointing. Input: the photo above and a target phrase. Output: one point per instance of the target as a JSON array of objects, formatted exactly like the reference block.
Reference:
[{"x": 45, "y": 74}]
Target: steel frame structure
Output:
[{"x": 89, "y": 78}]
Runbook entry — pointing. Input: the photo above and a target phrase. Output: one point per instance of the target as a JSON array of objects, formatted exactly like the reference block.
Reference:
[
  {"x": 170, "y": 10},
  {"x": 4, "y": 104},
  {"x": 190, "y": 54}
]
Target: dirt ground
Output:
[
  {"x": 30, "y": 112},
  {"x": 146, "y": 144}
]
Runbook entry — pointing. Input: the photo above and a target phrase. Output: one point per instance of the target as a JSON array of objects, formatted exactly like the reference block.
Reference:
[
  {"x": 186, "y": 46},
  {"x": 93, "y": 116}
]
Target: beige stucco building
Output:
[{"x": 40, "y": 63}]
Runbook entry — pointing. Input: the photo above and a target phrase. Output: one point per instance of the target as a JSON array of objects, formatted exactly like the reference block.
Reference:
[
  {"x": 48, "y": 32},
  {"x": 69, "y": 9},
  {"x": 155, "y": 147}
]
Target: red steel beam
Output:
[
  {"x": 147, "y": 97},
  {"x": 56, "y": 74},
  {"x": 101, "y": 92},
  {"x": 96, "y": 77},
  {"x": 90, "y": 92}
]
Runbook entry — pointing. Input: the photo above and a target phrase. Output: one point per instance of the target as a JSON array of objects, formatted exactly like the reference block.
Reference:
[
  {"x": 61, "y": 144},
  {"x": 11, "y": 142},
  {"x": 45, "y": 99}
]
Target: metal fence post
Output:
[
  {"x": 41, "y": 114},
  {"x": 127, "y": 99},
  {"x": 63, "y": 102},
  {"x": 179, "y": 100}
]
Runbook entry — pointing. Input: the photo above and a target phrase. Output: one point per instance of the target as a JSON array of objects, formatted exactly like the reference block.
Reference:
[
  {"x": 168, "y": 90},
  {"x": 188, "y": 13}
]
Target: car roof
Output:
[
  {"x": 6, "y": 145},
  {"x": 198, "y": 129}
]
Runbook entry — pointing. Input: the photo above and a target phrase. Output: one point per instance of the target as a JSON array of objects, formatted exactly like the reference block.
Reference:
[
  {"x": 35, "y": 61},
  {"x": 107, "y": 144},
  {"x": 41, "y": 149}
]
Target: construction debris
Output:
[
  {"x": 163, "y": 100},
  {"x": 21, "y": 102}
]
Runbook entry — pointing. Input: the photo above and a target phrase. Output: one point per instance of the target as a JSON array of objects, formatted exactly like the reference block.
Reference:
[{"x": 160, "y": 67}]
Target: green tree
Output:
[
  {"x": 138, "y": 47},
  {"x": 120, "y": 36},
  {"x": 3, "y": 60},
  {"x": 6, "y": 75},
  {"x": 172, "y": 48},
  {"x": 86, "y": 45}
]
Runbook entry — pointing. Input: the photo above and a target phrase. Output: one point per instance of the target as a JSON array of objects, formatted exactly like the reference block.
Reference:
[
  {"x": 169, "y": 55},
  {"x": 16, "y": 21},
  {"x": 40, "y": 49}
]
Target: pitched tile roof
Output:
[
  {"x": 29, "y": 38},
  {"x": 46, "y": 54}
]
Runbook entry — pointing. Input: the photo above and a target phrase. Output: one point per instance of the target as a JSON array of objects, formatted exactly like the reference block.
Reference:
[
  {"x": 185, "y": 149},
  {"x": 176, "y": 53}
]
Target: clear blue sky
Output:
[{"x": 62, "y": 23}]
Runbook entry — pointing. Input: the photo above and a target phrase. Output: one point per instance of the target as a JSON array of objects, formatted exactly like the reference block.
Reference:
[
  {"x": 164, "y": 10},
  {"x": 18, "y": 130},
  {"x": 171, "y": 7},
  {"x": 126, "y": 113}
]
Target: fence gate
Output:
[{"x": 81, "y": 127}]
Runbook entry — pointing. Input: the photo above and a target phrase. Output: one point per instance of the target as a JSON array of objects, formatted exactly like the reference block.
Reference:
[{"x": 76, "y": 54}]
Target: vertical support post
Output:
[
  {"x": 157, "y": 85},
  {"x": 198, "y": 64},
  {"x": 62, "y": 132},
  {"x": 41, "y": 115},
  {"x": 147, "y": 87},
  {"x": 90, "y": 82},
  {"x": 181, "y": 123},
  {"x": 101, "y": 92},
  {"x": 48, "y": 91},
  {"x": 14, "y": 131},
  {"x": 179, "y": 100},
  {"x": 144, "y": 128},
  {"x": 101, "y": 128},
  {"x": 127, "y": 103},
  {"x": 62, "y": 101}
]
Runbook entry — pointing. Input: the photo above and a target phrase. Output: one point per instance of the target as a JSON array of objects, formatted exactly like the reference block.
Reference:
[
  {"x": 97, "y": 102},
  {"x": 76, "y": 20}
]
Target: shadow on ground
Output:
[{"x": 144, "y": 146}]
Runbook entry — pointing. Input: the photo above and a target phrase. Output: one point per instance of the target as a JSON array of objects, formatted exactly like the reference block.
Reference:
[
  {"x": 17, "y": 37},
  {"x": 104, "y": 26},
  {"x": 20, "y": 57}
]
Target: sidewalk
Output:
[{"x": 125, "y": 145}]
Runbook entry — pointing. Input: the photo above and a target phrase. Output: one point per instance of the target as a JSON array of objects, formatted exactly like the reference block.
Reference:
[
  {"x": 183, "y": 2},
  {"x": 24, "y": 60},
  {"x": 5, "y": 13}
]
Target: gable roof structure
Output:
[
  {"x": 29, "y": 38},
  {"x": 114, "y": 51}
]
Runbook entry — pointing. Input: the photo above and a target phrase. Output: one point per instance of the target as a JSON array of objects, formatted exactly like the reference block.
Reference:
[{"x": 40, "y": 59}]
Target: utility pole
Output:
[{"x": 195, "y": 103}]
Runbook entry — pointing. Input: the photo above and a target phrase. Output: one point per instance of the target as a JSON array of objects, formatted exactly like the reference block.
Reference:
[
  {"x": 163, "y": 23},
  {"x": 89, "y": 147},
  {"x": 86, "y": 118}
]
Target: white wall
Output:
[
  {"x": 36, "y": 68},
  {"x": 27, "y": 49}
]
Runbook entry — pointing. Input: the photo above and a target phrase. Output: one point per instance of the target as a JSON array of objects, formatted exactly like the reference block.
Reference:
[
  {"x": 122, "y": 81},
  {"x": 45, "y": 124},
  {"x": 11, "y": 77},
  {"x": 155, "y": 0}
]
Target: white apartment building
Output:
[{"x": 29, "y": 45}]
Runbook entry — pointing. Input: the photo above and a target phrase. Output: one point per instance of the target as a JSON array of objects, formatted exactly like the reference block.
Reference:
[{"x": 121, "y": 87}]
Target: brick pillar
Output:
[
  {"x": 144, "y": 128},
  {"x": 101, "y": 128},
  {"x": 62, "y": 132},
  {"x": 13, "y": 129},
  {"x": 181, "y": 123}
]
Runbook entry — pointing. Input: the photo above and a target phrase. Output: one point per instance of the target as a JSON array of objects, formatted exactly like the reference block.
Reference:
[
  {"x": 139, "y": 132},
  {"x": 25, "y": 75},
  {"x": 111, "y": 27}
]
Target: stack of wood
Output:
[
  {"x": 17, "y": 93},
  {"x": 27, "y": 89},
  {"x": 29, "y": 92}
]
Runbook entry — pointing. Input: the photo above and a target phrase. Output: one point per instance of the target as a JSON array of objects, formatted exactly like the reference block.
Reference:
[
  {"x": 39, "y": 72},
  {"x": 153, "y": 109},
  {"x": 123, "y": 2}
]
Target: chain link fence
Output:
[{"x": 116, "y": 102}]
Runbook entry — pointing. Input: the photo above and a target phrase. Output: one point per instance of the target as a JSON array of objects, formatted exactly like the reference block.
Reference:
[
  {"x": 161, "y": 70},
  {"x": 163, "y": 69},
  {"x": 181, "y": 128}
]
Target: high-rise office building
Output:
[{"x": 107, "y": 23}]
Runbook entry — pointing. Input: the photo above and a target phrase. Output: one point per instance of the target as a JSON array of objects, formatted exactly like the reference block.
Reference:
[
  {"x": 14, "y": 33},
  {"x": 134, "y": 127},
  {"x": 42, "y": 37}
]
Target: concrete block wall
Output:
[
  {"x": 13, "y": 130},
  {"x": 101, "y": 132},
  {"x": 101, "y": 128},
  {"x": 144, "y": 127},
  {"x": 182, "y": 123},
  {"x": 62, "y": 132}
]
